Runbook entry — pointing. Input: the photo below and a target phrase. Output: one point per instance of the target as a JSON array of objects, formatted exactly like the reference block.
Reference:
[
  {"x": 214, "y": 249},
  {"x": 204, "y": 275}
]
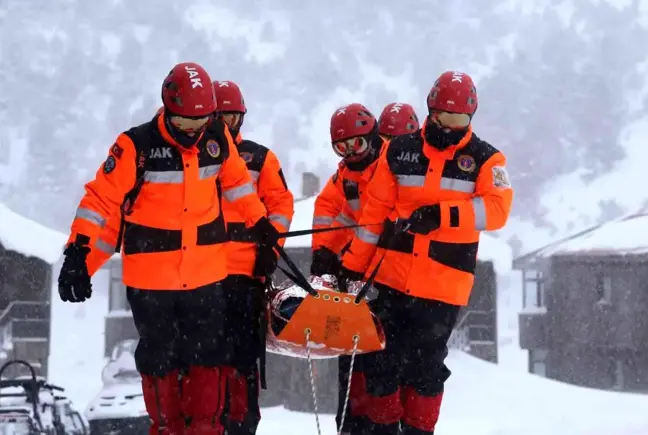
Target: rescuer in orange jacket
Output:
[
  {"x": 436, "y": 190},
  {"x": 356, "y": 137},
  {"x": 248, "y": 264},
  {"x": 166, "y": 177},
  {"x": 341, "y": 201}
]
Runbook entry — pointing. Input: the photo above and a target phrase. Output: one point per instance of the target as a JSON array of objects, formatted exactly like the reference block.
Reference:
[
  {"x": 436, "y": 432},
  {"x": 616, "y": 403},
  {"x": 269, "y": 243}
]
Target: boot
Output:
[
  {"x": 162, "y": 400},
  {"x": 364, "y": 426},
  {"x": 203, "y": 397}
]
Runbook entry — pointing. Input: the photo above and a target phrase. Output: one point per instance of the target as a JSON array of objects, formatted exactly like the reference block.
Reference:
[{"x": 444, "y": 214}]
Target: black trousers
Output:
[
  {"x": 417, "y": 332},
  {"x": 244, "y": 344},
  {"x": 178, "y": 329}
]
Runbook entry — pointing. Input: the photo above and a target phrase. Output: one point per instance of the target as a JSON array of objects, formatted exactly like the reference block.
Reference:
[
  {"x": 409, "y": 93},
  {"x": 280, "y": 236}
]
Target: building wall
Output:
[
  {"x": 25, "y": 291},
  {"x": 593, "y": 330},
  {"x": 600, "y": 302}
]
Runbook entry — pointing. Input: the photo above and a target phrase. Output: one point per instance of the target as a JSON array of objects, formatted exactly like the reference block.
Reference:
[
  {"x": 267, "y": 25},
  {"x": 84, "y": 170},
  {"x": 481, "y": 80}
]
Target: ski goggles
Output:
[
  {"x": 352, "y": 147},
  {"x": 232, "y": 119},
  {"x": 190, "y": 125},
  {"x": 452, "y": 121}
]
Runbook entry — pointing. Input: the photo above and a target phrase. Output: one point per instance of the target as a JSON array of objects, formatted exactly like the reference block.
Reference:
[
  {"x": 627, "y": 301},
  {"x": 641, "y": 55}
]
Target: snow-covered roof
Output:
[
  {"x": 23, "y": 235},
  {"x": 490, "y": 248},
  {"x": 626, "y": 235},
  {"x": 302, "y": 220}
]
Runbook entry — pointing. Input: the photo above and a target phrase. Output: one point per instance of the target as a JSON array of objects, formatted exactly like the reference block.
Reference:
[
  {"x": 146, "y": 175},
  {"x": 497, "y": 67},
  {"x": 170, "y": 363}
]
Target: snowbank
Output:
[
  {"x": 484, "y": 399},
  {"x": 22, "y": 235},
  {"x": 490, "y": 248}
]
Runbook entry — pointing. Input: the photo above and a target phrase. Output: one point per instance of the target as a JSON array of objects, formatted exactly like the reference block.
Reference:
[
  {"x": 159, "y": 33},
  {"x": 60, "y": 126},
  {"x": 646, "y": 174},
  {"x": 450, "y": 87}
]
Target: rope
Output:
[
  {"x": 312, "y": 381},
  {"x": 356, "y": 339}
]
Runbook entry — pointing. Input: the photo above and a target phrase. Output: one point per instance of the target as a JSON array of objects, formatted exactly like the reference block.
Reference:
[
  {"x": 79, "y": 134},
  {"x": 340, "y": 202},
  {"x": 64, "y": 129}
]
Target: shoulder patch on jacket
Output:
[
  {"x": 109, "y": 165},
  {"x": 501, "y": 177}
]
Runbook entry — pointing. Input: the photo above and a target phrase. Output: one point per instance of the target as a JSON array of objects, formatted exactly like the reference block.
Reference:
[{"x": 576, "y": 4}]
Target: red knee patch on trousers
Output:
[
  {"x": 203, "y": 394},
  {"x": 384, "y": 410},
  {"x": 358, "y": 395},
  {"x": 162, "y": 401},
  {"x": 237, "y": 396},
  {"x": 421, "y": 412}
]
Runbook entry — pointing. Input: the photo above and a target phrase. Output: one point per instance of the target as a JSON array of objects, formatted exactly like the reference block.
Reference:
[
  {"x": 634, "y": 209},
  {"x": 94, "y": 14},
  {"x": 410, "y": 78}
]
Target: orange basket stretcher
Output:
[{"x": 325, "y": 326}]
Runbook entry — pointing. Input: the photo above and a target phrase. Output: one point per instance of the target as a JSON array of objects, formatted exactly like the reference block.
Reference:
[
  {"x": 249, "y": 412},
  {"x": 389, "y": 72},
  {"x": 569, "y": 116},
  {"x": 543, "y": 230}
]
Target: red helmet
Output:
[
  {"x": 350, "y": 127},
  {"x": 352, "y": 120},
  {"x": 187, "y": 91},
  {"x": 229, "y": 97},
  {"x": 453, "y": 92},
  {"x": 397, "y": 119}
]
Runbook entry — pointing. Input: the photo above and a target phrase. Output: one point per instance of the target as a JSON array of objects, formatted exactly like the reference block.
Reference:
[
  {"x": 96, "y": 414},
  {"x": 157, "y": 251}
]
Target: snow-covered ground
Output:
[{"x": 485, "y": 399}]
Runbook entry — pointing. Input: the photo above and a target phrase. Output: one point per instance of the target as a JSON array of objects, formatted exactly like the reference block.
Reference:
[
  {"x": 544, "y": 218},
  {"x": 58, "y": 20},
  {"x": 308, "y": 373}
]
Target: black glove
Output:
[
  {"x": 345, "y": 275},
  {"x": 324, "y": 262},
  {"x": 266, "y": 261},
  {"x": 266, "y": 233},
  {"x": 74, "y": 280},
  {"x": 424, "y": 219}
]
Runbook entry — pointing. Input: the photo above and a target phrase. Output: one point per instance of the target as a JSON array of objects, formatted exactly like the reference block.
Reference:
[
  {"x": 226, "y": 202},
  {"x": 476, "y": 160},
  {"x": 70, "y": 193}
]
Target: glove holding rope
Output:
[
  {"x": 423, "y": 220},
  {"x": 74, "y": 281},
  {"x": 345, "y": 275},
  {"x": 266, "y": 259},
  {"x": 325, "y": 262}
]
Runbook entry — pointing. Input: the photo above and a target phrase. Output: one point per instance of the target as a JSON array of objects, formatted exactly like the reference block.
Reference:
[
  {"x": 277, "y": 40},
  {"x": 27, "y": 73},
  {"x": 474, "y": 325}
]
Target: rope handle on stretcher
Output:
[{"x": 295, "y": 274}]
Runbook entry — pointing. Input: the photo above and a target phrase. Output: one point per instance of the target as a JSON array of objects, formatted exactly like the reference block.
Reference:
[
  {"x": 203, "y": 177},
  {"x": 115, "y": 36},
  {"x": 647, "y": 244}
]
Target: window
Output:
[
  {"x": 538, "y": 361},
  {"x": 117, "y": 300},
  {"x": 533, "y": 289},
  {"x": 604, "y": 288}
]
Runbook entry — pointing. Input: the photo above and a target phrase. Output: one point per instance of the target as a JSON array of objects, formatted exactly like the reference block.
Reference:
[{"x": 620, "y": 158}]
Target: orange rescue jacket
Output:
[
  {"x": 339, "y": 204},
  {"x": 270, "y": 184},
  {"x": 470, "y": 183},
  {"x": 174, "y": 239}
]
